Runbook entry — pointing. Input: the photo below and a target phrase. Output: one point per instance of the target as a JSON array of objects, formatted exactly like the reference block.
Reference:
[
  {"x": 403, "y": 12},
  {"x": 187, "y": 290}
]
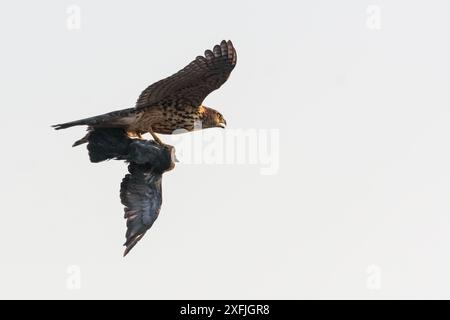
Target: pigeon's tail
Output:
[{"x": 107, "y": 143}]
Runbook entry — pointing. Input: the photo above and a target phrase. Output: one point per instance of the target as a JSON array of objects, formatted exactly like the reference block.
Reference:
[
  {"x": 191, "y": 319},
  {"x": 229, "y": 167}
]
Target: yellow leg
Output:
[
  {"x": 155, "y": 137},
  {"x": 134, "y": 134}
]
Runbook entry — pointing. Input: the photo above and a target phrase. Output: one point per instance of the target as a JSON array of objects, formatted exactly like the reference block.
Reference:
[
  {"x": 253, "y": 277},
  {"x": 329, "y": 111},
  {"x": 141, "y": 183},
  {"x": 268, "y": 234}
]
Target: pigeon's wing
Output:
[
  {"x": 193, "y": 83},
  {"x": 140, "y": 193}
]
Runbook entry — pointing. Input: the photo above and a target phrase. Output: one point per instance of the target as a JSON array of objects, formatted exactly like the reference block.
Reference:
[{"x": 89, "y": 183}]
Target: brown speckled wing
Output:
[{"x": 192, "y": 84}]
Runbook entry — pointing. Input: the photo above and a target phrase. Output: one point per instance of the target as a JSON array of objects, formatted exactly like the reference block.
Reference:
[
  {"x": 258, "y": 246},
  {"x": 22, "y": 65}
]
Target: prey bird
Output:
[
  {"x": 173, "y": 103},
  {"x": 141, "y": 189}
]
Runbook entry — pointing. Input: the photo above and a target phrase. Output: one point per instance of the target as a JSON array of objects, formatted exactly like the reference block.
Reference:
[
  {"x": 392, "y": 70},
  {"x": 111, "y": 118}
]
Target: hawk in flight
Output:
[
  {"x": 172, "y": 103},
  {"x": 164, "y": 107}
]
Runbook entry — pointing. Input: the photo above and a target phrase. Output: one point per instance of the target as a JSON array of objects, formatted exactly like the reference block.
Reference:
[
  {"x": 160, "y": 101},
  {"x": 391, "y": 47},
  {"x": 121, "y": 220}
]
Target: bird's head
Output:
[{"x": 212, "y": 118}]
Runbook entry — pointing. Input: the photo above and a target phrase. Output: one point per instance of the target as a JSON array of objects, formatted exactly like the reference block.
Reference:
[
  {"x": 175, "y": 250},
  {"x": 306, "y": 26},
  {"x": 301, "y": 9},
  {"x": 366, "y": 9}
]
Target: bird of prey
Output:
[
  {"x": 164, "y": 107},
  {"x": 175, "y": 102}
]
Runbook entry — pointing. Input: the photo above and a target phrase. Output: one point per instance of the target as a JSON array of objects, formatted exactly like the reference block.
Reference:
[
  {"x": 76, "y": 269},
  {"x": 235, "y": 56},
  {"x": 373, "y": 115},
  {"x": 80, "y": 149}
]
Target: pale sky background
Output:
[{"x": 359, "y": 207}]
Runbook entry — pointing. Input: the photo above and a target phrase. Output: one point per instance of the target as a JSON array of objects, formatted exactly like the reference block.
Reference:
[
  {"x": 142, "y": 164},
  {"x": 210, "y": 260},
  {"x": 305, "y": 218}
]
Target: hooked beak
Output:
[{"x": 223, "y": 124}]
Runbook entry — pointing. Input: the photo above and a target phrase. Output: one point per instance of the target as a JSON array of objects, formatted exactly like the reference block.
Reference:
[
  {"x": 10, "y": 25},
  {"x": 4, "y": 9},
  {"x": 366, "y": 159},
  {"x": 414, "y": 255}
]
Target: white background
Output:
[{"x": 364, "y": 176}]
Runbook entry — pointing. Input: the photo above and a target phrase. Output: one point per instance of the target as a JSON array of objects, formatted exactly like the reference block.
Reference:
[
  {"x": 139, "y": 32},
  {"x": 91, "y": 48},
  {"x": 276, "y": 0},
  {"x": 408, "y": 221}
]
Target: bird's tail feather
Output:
[
  {"x": 107, "y": 143},
  {"x": 83, "y": 140},
  {"x": 115, "y": 118},
  {"x": 71, "y": 124}
]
